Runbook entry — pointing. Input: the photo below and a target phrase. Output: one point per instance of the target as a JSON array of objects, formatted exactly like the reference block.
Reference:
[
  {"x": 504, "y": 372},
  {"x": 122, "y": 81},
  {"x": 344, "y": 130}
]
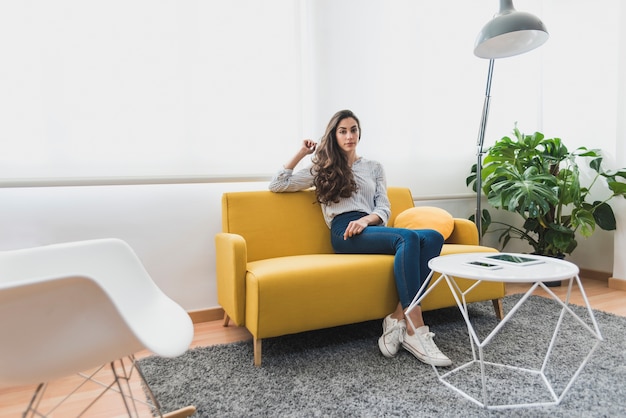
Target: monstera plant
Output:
[{"x": 540, "y": 179}]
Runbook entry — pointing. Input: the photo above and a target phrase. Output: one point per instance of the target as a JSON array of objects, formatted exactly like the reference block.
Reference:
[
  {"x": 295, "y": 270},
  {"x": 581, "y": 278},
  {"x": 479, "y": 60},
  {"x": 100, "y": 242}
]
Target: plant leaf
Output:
[
  {"x": 618, "y": 188},
  {"x": 584, "y": 152},
  {"x": 529, "y": 193},
  {"x": 604, "y": 216},
  {"x": 596, "y": 164},
  {"x": 560, "y": 240},
  {"x": 583, "y": 219},
  {"x": 471, "y": 179}
]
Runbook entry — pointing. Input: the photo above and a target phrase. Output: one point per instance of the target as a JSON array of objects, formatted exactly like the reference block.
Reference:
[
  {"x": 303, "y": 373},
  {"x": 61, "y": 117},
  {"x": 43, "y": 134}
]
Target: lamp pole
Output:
[{"x": 480, "y": 152}]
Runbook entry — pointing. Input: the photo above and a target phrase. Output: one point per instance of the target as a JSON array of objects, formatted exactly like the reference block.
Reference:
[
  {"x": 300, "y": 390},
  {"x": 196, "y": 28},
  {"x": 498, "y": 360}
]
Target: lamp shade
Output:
[{"x": 510, "y": 33}]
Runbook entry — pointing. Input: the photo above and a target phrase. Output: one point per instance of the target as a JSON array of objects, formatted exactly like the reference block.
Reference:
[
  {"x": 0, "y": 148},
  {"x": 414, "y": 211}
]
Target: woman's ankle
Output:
[{"x": 397, "y": 317}]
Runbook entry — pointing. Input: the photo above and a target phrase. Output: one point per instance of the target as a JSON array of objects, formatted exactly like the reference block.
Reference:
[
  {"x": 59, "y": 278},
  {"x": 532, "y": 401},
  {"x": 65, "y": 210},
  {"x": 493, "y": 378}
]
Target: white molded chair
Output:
[{"x": 67, "y": 308}]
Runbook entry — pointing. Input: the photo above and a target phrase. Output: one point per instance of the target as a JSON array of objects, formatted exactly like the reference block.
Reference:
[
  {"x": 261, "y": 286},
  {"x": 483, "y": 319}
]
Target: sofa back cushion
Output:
[{"x": 285, "y": 224}]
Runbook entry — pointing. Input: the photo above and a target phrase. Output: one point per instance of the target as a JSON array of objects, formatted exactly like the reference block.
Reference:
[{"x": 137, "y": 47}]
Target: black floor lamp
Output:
[{"x": 509, "y": 33}]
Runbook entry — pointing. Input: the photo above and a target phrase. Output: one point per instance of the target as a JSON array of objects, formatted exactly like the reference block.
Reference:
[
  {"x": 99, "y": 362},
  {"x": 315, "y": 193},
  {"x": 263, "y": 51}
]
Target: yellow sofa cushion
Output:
[
  {"x": 426, "y": 217},
  {"x": 292, "y": 294}
]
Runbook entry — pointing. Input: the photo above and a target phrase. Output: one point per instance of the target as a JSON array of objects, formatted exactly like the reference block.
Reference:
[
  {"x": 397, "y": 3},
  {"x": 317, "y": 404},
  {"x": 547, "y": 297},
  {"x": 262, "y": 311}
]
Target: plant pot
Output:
[{"x": 558, "y": 282}]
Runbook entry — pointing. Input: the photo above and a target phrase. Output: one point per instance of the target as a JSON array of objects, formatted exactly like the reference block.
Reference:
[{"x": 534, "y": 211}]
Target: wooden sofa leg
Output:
[
  {"x": 497, "y": 306},
  {"x": 257, "y": 351},
  {"x": 226, "y": 319}
]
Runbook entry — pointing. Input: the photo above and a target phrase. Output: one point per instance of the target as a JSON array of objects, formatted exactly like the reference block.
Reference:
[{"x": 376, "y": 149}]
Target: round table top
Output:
[{"x": 540, "y": 269}]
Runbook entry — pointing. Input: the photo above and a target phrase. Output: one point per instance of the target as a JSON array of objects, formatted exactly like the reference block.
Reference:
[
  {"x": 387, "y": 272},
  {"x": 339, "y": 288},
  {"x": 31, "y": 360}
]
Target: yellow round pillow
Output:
[{"x": 426, "y": 217}]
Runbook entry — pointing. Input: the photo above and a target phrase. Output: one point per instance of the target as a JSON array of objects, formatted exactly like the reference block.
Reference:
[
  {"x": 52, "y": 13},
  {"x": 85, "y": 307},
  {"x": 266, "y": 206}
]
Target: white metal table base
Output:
[{"x": 478, "y": 358}]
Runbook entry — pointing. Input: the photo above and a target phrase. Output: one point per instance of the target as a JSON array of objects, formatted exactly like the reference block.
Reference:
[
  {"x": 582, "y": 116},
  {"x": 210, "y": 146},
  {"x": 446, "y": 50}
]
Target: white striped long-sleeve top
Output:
[{"x": 370, "y": 196}]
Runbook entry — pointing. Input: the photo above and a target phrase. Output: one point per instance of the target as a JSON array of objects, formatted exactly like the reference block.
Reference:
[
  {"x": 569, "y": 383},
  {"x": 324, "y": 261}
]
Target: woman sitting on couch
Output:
[{"x": 352, "y": 192}]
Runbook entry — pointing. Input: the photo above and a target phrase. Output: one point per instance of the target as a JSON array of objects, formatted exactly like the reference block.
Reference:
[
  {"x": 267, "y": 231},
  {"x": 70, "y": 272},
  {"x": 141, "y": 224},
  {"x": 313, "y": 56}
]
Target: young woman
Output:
[{"x": 352, "y": 192}]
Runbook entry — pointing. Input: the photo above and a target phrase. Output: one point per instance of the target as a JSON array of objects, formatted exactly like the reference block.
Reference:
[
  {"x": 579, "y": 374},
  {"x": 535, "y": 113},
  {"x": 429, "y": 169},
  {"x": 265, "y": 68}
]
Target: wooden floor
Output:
[{"x": 14, "y": 400}]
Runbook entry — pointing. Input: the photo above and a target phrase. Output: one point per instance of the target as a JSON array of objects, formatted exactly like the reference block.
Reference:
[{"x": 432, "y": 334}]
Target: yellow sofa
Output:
[{"x": 277, "y": 273}]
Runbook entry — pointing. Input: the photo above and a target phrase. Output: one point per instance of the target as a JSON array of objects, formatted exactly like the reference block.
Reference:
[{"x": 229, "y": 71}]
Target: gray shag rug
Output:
[{"x": 339, "y": 372}]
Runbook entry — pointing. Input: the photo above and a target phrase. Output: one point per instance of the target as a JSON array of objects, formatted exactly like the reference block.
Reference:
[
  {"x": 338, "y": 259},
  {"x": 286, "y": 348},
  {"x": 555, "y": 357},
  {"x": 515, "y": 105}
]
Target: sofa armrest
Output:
[
  {"x": 465, "y": 232},
  {"x": 231, "y": 266}
]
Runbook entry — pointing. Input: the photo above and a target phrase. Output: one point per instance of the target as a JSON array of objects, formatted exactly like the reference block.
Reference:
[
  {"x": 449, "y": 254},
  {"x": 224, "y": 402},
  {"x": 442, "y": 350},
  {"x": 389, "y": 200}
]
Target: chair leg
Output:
[
  {"x": 181, "y": 413},
  {"x": 33, "y": 406},
  {"x": 152, "y": 401},
  {"x": 257, "y": 351},
  {"x": 498, "y": 307},
  {"x": 226, "y": 319},
  {"x": 184, "y": 412},
  {"x": 117, "y": 381}
]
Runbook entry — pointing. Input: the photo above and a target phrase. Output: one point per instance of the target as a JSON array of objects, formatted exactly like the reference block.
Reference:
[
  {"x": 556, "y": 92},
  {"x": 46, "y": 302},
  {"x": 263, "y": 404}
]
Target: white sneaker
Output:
[
  {"x": 393, "y": 332},
  {"x": 422, "y": 346}
]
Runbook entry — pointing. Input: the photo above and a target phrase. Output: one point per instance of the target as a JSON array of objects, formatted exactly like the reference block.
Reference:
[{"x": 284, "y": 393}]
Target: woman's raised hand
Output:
[{"x": 308, "y": 146}]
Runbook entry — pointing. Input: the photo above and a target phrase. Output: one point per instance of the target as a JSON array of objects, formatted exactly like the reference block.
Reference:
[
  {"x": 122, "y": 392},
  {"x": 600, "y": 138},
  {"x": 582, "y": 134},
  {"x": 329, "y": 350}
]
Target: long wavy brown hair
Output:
[{"x": 333, "y": 176}]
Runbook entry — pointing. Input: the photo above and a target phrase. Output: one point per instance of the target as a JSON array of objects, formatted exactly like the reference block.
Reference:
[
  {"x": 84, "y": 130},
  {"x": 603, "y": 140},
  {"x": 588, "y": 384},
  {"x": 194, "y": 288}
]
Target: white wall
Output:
[
  {"x": 170, "y": 227},
  {"x": 619, "y": 263},
  {"x": 147, "y": 87},
  {"x": 419, "y": 94},
  {"x": 581, "y": 79}
]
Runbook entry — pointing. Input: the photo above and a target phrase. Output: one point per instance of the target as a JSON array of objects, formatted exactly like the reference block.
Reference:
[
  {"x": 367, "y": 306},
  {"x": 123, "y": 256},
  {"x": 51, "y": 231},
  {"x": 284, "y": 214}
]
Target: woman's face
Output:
[{"x": 347, "y": 134}]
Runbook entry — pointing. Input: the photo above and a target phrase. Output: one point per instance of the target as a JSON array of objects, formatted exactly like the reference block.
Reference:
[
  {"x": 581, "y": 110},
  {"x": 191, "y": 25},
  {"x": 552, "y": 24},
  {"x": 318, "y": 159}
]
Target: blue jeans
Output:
[{"x": 413, "y": 248}]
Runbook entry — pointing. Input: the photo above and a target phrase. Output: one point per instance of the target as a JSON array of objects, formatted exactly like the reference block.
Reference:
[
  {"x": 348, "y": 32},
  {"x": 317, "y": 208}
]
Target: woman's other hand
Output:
[
  {"x": 355, "y": 228},
  {"x": 358, "y": 226}
]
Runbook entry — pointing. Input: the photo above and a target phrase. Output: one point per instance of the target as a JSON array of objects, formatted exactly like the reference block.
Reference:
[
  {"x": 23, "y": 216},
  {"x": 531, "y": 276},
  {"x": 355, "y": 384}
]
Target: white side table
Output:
[{"x": 550, "y": 269}]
